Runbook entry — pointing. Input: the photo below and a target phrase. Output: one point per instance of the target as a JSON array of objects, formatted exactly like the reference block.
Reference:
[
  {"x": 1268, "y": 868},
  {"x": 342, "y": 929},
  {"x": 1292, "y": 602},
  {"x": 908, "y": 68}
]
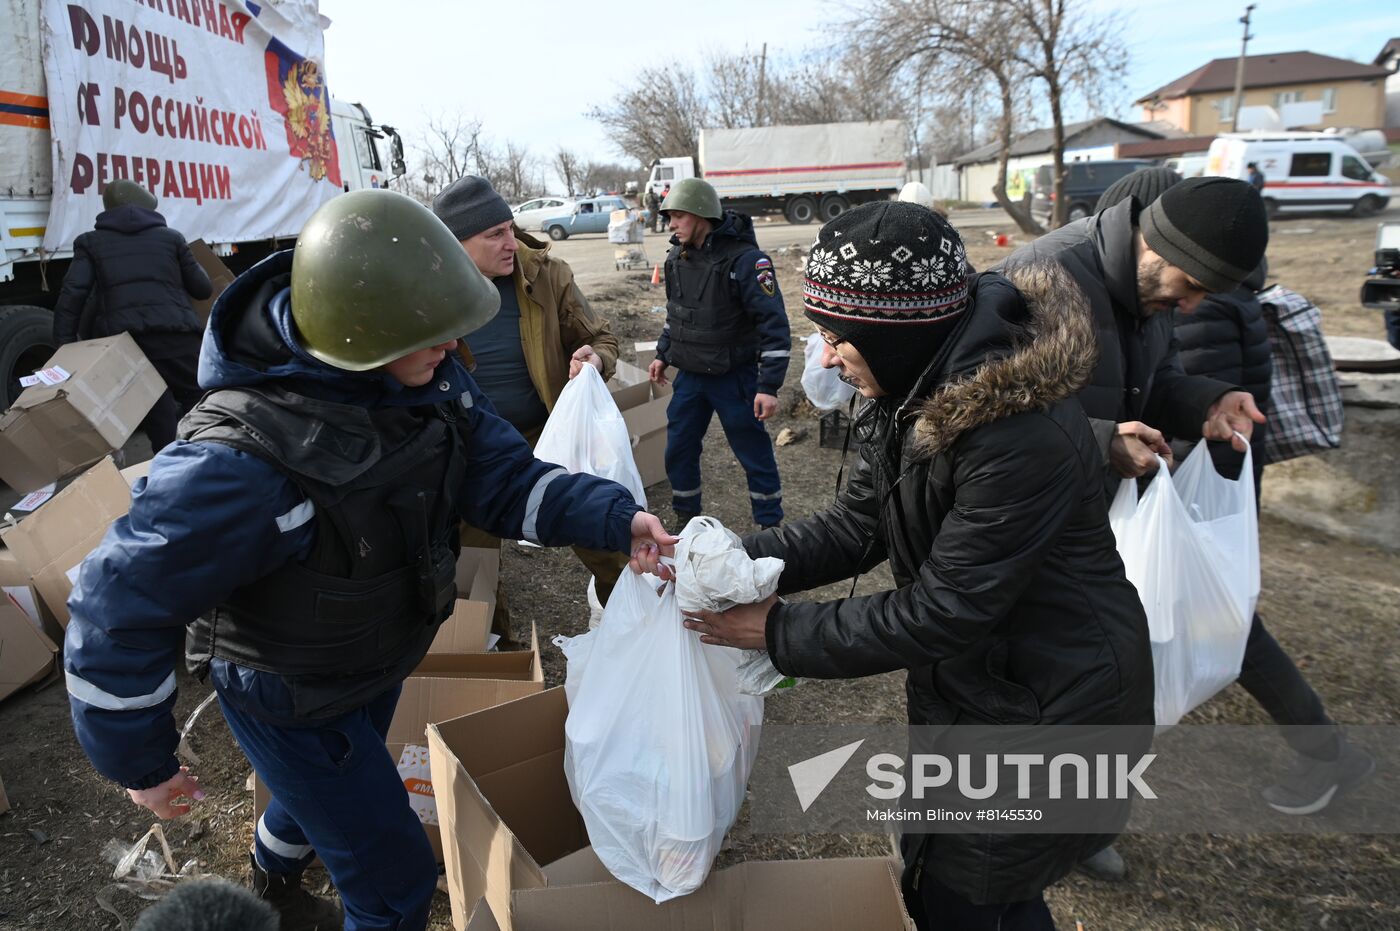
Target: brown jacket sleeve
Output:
[{"x": 579, "y": 325}]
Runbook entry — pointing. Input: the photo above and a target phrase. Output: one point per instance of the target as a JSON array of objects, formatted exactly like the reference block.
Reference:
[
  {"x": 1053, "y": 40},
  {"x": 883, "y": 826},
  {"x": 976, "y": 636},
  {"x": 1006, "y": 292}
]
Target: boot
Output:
[
  {"x": 298, "y": 909},
  {"x": 1311, "y": 785}
]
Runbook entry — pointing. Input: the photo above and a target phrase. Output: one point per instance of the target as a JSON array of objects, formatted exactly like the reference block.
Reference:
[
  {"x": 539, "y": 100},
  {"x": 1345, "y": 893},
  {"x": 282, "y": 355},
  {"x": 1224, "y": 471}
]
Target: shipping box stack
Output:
[
  {"x": 457, "y": 677},
  {"x": 92, "y": 397},
  {"x": 517, "y": 855}
]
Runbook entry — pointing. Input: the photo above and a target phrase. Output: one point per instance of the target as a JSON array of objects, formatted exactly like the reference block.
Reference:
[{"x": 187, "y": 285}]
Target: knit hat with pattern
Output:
[{"x": 891, "y": 278}]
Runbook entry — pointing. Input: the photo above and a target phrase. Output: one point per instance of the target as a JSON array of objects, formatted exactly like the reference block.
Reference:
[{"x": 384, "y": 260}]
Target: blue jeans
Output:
[
  {"x": 696, "y": 397},
  {"x": 336, "y": 794}
]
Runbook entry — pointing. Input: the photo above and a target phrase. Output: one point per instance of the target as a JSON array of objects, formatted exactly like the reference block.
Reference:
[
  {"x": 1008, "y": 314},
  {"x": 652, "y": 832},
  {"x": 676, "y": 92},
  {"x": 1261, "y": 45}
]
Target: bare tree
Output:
[
  {"x": 660, "y": 114},
  {"x": 447, "y": 149},
  {"x": 607, "y": 176},
  {"x": 568, "y": 165},
  {"x": 952, "y": 43},
  {"x": 1068, "y": 49}
]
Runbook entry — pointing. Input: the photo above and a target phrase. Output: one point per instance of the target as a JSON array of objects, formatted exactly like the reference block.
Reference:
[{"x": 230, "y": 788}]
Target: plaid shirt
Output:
[{"x": 1305, "y": 399}]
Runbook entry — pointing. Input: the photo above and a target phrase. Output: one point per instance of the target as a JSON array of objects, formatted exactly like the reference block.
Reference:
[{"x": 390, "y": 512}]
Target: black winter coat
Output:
[
  {"x": 140, "y": 273},
  {"x": 1139, "y": 375},
  {"x": 1227, "y": 338},
  {"x": 1011, "y": 603}
]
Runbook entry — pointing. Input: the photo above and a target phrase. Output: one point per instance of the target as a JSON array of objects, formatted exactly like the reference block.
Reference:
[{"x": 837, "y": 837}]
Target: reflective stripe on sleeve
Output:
[
  {"x": 532, "y": 504},
  {"x": 296, "y": 516},
  {"x": 89, "y": 694}
]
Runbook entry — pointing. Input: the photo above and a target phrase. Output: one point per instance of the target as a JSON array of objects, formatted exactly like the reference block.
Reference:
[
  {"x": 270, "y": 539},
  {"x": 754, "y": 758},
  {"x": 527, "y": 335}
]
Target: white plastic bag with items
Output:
[
  {"x": 1190, "y": 545},
  {"x": 585, "y": 433},
  {"x": 824, "y": 387},
  {"x": 713, "y": 573},
  {"x": 659, "y": 742}
]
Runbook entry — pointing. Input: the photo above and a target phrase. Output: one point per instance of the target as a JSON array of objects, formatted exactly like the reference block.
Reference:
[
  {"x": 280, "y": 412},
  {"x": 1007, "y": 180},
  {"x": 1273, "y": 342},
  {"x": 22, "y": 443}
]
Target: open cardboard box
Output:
[
  {"x": 26, "y": 655},
  {"x": 643, "y": 406},
  {"x": 52, "y": 542},
  {"x": 478, "y": 570},
  {"x": 514, "y": 842},
  {"x": 52, "y": 431},
  {"x": 16, "y": 584},
  {"x": 219, "y": 276}
]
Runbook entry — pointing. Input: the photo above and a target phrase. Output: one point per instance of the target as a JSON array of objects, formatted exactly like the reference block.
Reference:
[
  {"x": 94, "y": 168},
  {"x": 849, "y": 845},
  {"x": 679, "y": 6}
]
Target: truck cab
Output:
[
  {"x": 667, "y": 171},
  {"x": 362, "y": 162}
]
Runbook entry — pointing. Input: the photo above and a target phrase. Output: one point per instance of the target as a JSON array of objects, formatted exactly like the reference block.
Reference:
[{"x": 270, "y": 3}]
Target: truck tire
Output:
[
  {"x": 1368, "y": 206},
  {"x": 1077, "y": 212},
  {"x": 26, "y": 343},
  {"x": 557, "y": 233},
  {"x": 800, "y": 210},
  {"x": 832, "y": 206},
  {"x": 1271, "y": 208}
]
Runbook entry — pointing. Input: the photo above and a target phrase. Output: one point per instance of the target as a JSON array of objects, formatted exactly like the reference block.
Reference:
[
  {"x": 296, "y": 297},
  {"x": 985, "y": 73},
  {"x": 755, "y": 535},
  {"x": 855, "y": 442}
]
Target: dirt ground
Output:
[{"x": 1335, "y": 607}]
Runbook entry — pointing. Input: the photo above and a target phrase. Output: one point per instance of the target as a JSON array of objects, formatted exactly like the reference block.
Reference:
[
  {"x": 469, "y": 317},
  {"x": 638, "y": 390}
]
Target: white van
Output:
[{"x": 1302, "y": 171}]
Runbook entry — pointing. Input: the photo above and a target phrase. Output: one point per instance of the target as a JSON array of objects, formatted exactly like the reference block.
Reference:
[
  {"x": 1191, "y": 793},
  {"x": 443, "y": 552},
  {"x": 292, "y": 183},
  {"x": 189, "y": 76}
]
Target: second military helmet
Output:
[
  {"x": 692, "y": 195},
  {"x": 122, "y": 192},
  {"x": 376, "y": 276}
]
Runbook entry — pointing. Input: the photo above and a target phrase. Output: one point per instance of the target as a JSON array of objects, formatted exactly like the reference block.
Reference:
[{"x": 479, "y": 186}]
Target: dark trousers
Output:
[
  {"x": 179, "y": 370},
  {"x": 337, "y": 794},
  {"x": 1275, "y": 682},
  {"x": 695, "y": 400},
  {"x": 935, "y": 907}
]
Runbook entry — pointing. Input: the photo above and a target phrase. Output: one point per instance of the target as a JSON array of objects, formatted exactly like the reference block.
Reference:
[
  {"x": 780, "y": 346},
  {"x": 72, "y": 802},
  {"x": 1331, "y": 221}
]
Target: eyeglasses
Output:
[{"x": 833, "y": 343}]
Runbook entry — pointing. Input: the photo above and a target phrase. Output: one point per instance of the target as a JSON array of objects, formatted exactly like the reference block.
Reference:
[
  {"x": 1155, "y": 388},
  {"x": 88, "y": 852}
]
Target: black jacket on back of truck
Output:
[
  {"x": 131, "y": 274},
  {"x": 723, "y": 307}
]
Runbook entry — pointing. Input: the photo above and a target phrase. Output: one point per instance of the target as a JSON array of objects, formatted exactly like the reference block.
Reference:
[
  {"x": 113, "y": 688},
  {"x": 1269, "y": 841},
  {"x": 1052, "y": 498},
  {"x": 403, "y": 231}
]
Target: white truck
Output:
[
  {"x": 1303, "y": 171},
  {"x": 808, "y": 173},
  {"x": 217, "y": 106}
]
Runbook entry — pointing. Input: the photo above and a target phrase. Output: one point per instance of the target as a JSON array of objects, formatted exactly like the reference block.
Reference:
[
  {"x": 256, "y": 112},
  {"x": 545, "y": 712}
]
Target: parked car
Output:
[
  {"x": 589, "y": 216},
  {"x": 532, "y": 214},
  {"x": 1085, "y": 182},
  {"x": 1303, "y": 171}
]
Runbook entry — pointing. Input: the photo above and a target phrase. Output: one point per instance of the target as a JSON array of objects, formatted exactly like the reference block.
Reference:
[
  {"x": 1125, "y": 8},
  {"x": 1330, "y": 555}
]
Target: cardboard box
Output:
[
  {"x": 450, "y": 686},
  {"x": 478, "y": 571},
  {"x": 26, "y": 655},
  {"x": 643, "y": 407},
  {"x": 52, "y": 431},
  {"x": 515, "y": 843},
  {"x": 15, "y": 583},
  {"x": 219, "y": 276},
  {"x": 782, "y": 895},
  {"x": 54, "y": 540}
]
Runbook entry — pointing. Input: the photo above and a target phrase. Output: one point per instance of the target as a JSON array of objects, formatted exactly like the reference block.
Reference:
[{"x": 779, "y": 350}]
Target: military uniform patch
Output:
[{"x": 766, "y": 280}]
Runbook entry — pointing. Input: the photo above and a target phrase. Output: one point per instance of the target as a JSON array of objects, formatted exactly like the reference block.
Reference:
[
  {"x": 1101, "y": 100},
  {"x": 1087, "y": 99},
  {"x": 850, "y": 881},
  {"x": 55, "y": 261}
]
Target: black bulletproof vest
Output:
[
  {"x": 710, "y": 332},
  {"x": 358, "y": 614}
]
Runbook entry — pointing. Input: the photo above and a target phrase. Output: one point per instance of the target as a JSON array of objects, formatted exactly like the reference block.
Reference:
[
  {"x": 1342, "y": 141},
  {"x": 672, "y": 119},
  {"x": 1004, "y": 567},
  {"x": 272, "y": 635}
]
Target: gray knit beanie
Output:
[
  {"x": 1146, "y": 185},
  {"x": 470, "y": 205}
]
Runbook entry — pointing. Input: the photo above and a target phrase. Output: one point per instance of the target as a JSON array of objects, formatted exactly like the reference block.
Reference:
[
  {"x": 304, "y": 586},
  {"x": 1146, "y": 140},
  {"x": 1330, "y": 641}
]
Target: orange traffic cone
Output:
[{"x": 655, "y": 275}]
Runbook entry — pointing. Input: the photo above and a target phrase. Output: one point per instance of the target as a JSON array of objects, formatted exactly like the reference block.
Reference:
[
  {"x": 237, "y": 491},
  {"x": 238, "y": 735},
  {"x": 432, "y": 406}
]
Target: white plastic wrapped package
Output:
[
  {"x": 585, "y": 433},
  {"x": 659, "y": 742},
  {"x": 1190, "y": 545},
  {"x": 824, "y": 387}
]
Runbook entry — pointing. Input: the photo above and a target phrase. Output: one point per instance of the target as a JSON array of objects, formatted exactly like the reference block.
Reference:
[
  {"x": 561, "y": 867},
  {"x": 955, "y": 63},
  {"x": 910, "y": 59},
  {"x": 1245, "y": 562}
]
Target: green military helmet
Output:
[
  {"x": 692, "y": 195},
  {"x": 376, "y": 276},
  {"x": 122, "y": 192}
]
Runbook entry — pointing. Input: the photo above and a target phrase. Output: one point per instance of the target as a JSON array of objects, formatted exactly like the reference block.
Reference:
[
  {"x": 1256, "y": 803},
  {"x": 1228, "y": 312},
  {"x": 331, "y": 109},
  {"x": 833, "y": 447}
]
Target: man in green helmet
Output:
[
  {"x": 133, "y": 274},
  {"x": 300, "y": 541},
  {"x": 727, "y": 332}
]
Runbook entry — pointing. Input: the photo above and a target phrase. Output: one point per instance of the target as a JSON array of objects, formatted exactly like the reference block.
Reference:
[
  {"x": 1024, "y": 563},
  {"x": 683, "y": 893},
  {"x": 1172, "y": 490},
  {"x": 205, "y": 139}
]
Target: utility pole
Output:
[
  {"x": 1239, "y": 69},
  {"x": 762, "y": 66}
]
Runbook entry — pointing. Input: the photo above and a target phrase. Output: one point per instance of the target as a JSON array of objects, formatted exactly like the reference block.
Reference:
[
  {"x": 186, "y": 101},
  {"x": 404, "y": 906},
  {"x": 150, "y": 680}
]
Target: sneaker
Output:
[
  {"x": 1311, "y": 785},
  {"x": 298, "y": 909},
  {"x": 1106, "y": 865},
  {"x": 683, "y": 518}
]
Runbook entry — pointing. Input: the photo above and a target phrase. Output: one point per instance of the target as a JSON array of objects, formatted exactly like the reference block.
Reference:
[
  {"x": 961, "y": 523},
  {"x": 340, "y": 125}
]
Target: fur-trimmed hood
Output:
[{"x": 1051, "y": 355}]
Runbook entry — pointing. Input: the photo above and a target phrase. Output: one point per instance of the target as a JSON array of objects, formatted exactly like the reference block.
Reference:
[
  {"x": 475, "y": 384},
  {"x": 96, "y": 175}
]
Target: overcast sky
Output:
[{"x": 530, "y": 69}]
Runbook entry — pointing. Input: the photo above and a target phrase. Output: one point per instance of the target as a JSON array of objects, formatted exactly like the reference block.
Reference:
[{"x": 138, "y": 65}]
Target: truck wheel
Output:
[
  {"x": 1077, "y": 212},
  {"x": 26, "y": 343},
  {"x": 557, "y": 233},
  {"x": 800, "y": 210},
  {"x": 1368, "y": 206},
  {"x": 833, "y": 205},
  {"x": 1271, "y": 208}
]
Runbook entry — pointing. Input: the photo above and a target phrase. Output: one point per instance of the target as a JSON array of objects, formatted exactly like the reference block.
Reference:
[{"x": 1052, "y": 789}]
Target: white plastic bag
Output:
[
  {"x": 585, "y": 433},
  {"x": 1190, "y": 545},
  {"x": 824, "y": 387},
  {"x": 659, "y": 742}
]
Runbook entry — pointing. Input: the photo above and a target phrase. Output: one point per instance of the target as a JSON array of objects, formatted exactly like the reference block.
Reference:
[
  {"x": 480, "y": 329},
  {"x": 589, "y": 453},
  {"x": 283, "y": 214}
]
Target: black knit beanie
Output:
[
  {"x": 891, "y": 278},
  {"x": 1146, "y": 185},
  {"x": 470, "y": 205},
  {"x": 1214, "y": 229}
]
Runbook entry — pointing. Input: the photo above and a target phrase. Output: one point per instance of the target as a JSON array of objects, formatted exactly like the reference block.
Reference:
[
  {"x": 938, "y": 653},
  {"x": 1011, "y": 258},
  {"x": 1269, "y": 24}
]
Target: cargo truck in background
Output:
[
  {"x": 244, "y": 181},
  {"x": 812, "y": 172}
]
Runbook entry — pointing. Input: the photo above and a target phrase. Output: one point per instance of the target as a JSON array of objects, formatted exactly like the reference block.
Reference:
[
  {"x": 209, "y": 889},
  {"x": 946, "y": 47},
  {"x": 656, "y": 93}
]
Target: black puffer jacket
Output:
[
  {"x": 1012, "y": 605},
  {"x": 1138, "y": 375},
  {"x": 1227, "y": 338},
  {"x": 140, "y": 275}
]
